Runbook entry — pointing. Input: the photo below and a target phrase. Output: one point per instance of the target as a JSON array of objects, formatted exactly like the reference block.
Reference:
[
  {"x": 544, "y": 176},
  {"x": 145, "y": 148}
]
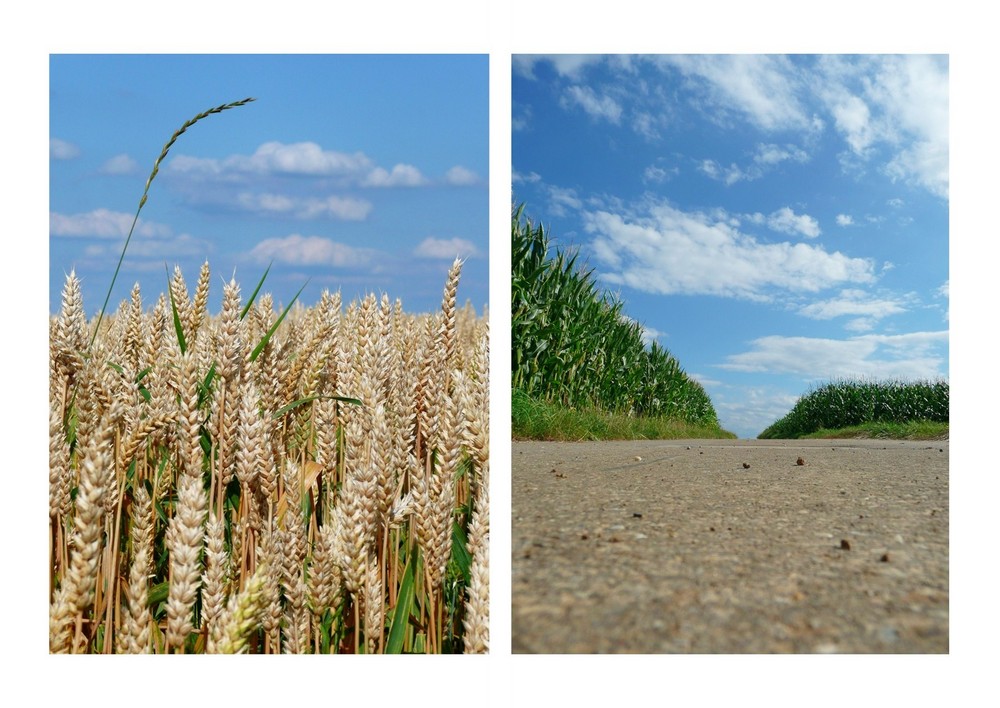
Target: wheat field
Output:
[{"x": 309, "y": 481}]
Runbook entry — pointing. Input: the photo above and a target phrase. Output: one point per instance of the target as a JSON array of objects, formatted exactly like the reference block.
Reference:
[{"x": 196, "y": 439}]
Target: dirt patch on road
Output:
[{"x": 730, "y": 547}]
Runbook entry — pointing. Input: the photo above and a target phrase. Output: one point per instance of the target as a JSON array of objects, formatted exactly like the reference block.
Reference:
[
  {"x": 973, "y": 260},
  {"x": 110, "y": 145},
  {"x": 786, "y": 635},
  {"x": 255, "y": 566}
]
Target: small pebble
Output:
[
  {"x": 884, "y": 558},
  {"x": 845, "y": 544},
  {"x": 636, "y": 515},
  {"x": 746, "y": 465},
  {"x": 800, "y": 461},
  {"x": 638, "y": 459}
]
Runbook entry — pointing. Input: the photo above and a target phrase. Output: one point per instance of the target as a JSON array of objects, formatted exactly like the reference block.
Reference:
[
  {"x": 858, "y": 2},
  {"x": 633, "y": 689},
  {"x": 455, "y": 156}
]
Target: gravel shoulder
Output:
[{"x": 730, "y": 547}]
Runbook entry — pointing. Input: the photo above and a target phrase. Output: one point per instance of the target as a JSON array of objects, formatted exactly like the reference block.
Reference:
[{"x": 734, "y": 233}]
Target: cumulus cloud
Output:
[
  {"x": 845, "y": 220},
  {"x": 599, "y": 107},
  {"x": 400, "y": 176},
  {"x": 917, "y": 355},
  {"x": 668, "y": 251},
  {"x": 103, "y": 223},
  {"x": 119, "y": 165},
  {"x": 298, "y": 159},
  {"x": 446, "y": 248},
  {"x": 788, "y": 222},
  {"x": 62, "y": 150},
  {"x": 461, "y": 176},
  {"x": 311, "y": 251}
]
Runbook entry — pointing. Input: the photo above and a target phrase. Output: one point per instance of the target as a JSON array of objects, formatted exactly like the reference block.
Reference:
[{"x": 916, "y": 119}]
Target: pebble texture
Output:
[{"x": 679, "y": 547}]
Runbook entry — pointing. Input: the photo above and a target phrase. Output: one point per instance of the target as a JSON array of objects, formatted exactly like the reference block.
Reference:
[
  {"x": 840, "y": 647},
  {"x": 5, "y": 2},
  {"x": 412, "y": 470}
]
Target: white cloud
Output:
[
  {"x": 917, "y": 355},
  {"x": 667, "y": 251},
  {"x": 446, "y": 248},
  {"x": 729, "y": 175},
  {"x": 562, "y": 200},
  {"x": 900, "y": 102},
  {"x": 599, "y": 107},
  {"x": 119, "y": 165},
  {"x": 788, "y": 222},
  {"x": 845, "y": 220},
  {"x": 567, "y": 65},
  {"x": 334, "y": 207},
  {"x": 855, "y": 302},
  {"x": 62, "y": 150},
  {"x": 770, "y": 154},
  {"x": 103, "y": 223},
  {"x": 531, "y": 177},
  {"x": 305, "y": 159},
  {"x": 400, "y": 176},
  {"x": 658, "y": 174},
  {"x": 461, "y": 176},
  {"x": 762, "y": 88},
  {"x": 311, "y": 250}
]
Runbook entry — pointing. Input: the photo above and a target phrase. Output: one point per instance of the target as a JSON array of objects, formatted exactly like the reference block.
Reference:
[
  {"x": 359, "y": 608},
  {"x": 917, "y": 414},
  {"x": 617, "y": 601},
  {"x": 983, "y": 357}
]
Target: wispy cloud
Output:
[
  {"x": 845, "y": 220},
  {"x": 761, "y": 88},
  {"x": 119, "y": 165},
  {"x": 103, "y": 223},
  {"x": 461, "y": 177},
  {"x": 446, "y": 248},
  {"x": 331, "y": 207},
  {"x": 661, "y": 249},
  {"x": 601, "y": 107},
  {"x": 916, "y": 355},
  {"x": 62, "y": 150},
  {"x": 299, "y": 250},
  {"x": 853, "y": 302}
]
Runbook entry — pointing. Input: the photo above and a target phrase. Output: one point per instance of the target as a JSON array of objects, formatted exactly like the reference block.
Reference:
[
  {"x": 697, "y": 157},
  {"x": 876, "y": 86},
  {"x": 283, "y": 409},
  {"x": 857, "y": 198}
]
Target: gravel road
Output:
[{"x": 730, "y": 547}]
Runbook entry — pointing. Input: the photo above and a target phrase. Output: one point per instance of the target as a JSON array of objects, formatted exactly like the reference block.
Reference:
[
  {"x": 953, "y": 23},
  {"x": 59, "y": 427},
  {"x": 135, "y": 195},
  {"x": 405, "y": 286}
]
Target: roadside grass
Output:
[
  {"x": 868, "y": 408},
  {"x": 910, "y": 430},
  {"x": 532, "y": 419}
]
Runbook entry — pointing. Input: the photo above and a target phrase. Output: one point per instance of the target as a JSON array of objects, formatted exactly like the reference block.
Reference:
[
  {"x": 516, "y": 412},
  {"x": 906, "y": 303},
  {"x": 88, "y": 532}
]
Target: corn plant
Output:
[{"x": 571, "y": 343}]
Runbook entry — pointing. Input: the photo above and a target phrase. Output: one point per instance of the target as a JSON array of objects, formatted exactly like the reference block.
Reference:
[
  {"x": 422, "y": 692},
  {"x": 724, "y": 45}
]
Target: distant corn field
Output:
[
  {"x": 846, "y": 403},
  {"x": 316, "y": 481}
]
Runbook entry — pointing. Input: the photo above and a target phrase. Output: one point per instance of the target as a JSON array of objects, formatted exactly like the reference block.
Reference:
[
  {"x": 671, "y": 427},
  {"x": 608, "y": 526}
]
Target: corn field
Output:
[
  {"x": 310, "y": 482},
  {"x": 843, "y": 404},
  {"x": 571, "y": 344}
]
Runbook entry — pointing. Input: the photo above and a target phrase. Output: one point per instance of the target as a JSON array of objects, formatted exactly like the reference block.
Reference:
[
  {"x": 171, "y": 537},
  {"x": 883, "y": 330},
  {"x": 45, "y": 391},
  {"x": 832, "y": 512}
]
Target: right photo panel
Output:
[{"x": 730, "y": 354}]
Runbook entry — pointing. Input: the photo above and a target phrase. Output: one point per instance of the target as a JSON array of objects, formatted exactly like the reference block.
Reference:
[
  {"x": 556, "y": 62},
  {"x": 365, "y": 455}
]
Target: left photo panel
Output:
[{"x": 268, "y": 354}]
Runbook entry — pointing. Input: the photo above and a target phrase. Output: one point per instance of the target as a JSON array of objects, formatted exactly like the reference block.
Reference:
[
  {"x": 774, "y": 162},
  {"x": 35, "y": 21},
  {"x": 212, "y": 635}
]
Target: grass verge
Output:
[
  {"x": 532, "y": 419},
  {"x": 910, "y": 430}
]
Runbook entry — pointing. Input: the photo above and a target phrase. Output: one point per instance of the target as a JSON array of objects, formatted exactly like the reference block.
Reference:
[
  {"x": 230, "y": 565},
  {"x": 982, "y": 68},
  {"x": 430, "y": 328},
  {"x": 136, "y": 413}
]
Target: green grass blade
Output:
[
  {"x": 460, "y": 551},
  {"x": 178, "y": 328},
  {"x": 302, "y": 401},
  {"x": 256, "y": 290},
  {"x": 267, "y": 337},
  {"x": 404, "y": 605}
]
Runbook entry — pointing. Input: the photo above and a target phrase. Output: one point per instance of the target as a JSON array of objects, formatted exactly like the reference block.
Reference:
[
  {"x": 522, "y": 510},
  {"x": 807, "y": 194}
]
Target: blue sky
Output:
[
  {"x": 365, "y": 173},
  {"x": 773, "y": 221}
]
